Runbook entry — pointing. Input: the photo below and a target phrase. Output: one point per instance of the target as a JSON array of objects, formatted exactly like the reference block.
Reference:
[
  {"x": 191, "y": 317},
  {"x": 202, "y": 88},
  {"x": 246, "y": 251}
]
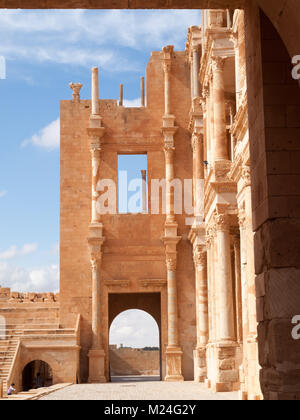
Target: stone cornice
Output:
[
  {"x": 153, "y": 282},
  {"x": 116, "y": 283}
]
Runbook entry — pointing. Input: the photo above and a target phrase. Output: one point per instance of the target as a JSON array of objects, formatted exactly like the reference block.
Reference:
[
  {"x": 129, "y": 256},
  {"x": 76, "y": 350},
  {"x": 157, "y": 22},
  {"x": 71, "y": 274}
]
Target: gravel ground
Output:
[{"x": 138, "y": 389}]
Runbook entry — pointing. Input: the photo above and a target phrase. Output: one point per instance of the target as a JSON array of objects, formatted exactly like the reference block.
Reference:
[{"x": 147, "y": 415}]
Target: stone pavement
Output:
[{"x": 139, "y": 389}]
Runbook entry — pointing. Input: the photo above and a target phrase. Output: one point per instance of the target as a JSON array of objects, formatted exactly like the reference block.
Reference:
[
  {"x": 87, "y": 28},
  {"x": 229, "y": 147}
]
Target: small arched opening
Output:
[{"x": 37, "y": 374}]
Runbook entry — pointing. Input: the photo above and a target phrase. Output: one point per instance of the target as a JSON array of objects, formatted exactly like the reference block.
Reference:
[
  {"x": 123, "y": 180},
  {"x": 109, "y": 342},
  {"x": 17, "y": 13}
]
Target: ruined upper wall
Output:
[{"x": 120, "y": 4}]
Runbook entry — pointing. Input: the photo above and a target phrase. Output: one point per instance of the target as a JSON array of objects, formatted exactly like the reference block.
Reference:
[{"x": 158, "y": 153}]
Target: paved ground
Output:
[{"x": 139, "y": 389}]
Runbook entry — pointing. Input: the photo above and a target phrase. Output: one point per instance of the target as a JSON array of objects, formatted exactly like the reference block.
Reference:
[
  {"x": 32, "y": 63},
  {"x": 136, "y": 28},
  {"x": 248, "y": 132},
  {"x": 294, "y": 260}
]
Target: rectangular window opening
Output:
[{"x": 133, "y": 184}]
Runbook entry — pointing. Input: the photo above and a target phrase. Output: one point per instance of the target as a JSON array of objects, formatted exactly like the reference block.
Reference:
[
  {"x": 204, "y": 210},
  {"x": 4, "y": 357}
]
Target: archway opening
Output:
[
  {"x": 134, "y": 347},
  {"x": 37, "y": 374}
]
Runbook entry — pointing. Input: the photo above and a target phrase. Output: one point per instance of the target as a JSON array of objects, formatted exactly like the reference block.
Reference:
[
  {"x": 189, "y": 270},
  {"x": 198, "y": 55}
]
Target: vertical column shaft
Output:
[
  {"x": 96, "y": 152},
  {"x": 221, "y": 151},
  {"x": 226, "y": 321},
  {"x": 196, "y": 68},
  {"x": 238, "y": 288},
  {"x": 167, "y": 89},
  {"x": 199, "y": 171},
  {"x": 121, "y": 95},
  {"x": 202, "y": 299},
  {"x": 96, "y": 305},
  {"x": 142, "y": 91},
  {"x": 169, "y": 155},
  {"x": 172, "y": 305},
  {"x": 95, "y": 91},
  {"x": 144, "y": 191}
]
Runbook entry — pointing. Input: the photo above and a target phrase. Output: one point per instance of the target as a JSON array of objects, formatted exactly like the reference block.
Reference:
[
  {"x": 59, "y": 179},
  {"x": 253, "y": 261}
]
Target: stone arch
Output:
[
  {"x": 147, "y": 302},
  {"x": 285, "y": 18},
  {"x": 126, "y": 362},
  {"x": 46, "y": 358},
  {"x": 36, "y": 374}
]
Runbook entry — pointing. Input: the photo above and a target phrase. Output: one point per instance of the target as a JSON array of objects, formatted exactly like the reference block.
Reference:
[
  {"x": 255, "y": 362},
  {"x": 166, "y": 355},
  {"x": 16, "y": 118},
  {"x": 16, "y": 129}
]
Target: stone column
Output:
[
  {"x": 144, "y": 191},
  {"x": 167, "y": 62},
  {"x": 209, "y": 284},
  {"x": 96, "y": 154},
  {"x": 238, "y": 287},
  {"x": 96, "y": 238},
  {"x": 95, "y": 91},
  {"x": 96, "y": 353},
  {"x": 173, "y": 352},
  {"x": 199, "y": 172},
  {"x": 169, "y": 156},
  {"x": 121, "y": 95},
  {"x": 234, "y": 38},
  {"x": 142, "y": 91},
  {"x": 196, "y": 68},
  {"x": 200, "y": 259},
  {"x": 205, "y": 139},
  {"x": 221, "y": 151},
  {"x": 226, "y": 326}
]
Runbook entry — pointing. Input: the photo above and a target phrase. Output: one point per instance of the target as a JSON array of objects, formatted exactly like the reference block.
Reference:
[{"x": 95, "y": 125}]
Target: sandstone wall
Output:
[
  {"x": 128, "y": 361},
  {"x": 133, "y": 251}
]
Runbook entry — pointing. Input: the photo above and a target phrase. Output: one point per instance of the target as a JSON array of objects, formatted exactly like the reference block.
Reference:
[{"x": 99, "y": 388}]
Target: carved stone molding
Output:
[
  {"x": 116, "y": 283},
  {"x": 153, "y": 282}
]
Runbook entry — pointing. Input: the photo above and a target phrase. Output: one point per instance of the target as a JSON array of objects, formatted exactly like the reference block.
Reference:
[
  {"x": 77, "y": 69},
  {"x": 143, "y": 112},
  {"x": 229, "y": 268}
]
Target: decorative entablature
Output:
[
  {"x": 194, "y": 41},
  {"x": 215, "y": 193},
  {"x": 218, "y": 43}
]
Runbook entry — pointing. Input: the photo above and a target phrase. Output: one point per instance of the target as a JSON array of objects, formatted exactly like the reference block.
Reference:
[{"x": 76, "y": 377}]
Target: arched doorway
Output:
[
  {"x": 134, "y": 347},
  {"x": 37, "y": 374}
]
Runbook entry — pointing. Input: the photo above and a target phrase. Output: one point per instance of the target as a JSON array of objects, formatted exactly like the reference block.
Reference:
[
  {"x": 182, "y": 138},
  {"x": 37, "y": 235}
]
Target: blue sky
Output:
[{"x": 44, "y": 52}]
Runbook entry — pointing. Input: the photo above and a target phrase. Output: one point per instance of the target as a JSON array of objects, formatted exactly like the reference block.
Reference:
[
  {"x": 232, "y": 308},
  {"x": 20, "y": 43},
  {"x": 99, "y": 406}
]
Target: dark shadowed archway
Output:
[{"x": 37, "y": 374}]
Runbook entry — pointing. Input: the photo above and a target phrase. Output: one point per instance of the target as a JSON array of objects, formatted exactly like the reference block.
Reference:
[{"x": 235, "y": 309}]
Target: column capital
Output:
[
  {"x": 171, "y": 261},
  {"x": 222, "y": 222},
  {"x": 200, "y": 258},
  {"x": 218, "y": 63},
  {"x": 167, "y": 58},
  {"x": 242, "y": 219},
  {"x": 76, "y": 87}
]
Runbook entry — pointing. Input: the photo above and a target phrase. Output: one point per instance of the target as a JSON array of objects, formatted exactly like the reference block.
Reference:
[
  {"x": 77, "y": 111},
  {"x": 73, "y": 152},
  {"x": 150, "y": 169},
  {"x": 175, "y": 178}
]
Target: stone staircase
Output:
[{"x": 14, "y": 333}]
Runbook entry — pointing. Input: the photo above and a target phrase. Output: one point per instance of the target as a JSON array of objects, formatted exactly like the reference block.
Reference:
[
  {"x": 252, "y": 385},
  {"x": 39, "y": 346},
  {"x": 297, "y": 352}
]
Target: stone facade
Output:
[{"x": 207, "y": 310}]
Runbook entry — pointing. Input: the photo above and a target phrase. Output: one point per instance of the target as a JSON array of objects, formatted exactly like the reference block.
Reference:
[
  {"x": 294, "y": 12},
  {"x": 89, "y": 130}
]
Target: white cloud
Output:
[
  {"x": 90, "y": 38},
  {"x": 3, "y": 193},
  {"x": 134, "y": 328},
  {"x": 40, "y": 280},
  {"x": 132, "y": 103},
  {"x": 13, "y": 251},
  {"x": 48, "y": 138},
  {"x": 28, "y": 249},
  {"x": 9, "y": 253}
]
